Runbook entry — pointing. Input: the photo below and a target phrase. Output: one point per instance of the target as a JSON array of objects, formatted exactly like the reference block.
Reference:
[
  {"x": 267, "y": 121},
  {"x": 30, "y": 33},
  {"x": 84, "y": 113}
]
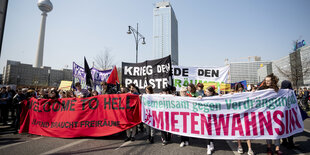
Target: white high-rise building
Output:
[{"x": 165, "y": 32}]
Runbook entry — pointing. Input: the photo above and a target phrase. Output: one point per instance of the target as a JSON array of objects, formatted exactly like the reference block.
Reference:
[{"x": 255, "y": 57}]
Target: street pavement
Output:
[{"x": 25, "y": 144}]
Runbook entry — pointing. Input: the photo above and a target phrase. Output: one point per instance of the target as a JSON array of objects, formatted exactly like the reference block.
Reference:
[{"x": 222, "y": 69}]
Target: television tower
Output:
[{"x": 45, "y": 6}]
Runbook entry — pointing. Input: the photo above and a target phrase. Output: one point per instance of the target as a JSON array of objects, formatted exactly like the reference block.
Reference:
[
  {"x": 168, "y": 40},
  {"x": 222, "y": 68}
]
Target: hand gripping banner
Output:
[
  {"x": 80, "y": 117},
  {"x": 264, "y": 114}
]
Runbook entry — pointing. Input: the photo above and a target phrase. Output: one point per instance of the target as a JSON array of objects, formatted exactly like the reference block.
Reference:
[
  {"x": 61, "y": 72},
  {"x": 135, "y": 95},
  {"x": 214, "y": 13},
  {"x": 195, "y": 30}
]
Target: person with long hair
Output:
[
  {"x": 53, "y": 94},
  {"x": 239, "y": 88},
  {"x": 80, "y": 93},
  {"x": 191, "y": 90},
  {"x": 271, "y": 82},
  {"x": 134, "y": 89},
  {"x": 69, "y": 94}
]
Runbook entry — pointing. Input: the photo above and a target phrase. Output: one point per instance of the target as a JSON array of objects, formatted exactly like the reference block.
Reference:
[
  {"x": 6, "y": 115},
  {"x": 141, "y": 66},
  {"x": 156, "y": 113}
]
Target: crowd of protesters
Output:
[
  {"x": 270, "y": 82},
  {"x": 10, "y": 101}
]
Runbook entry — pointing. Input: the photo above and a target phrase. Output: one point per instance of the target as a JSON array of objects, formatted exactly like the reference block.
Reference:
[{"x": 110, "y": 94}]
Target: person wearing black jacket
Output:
[
  {"x": 17, "y": 100},
  {"x": 305, "y": 98},
  {"x": 165, "y": 136}
]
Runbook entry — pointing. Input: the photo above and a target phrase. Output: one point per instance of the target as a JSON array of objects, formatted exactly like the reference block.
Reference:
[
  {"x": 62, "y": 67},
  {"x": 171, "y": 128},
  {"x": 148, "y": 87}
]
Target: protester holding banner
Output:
[
  {"x": 165, "y": 136},
  {"x": 166, "y": 91},
  {"x": 53, "y": 94},
  {"x": 104, "y": 86},
  {"x": 89, "y": 91},
  {"x": 17, "y": 100},
  {"x": 191, "y": 90},
  {"x": 134, "y": 89},
  {"x": 69, "y": 94},
  {"x": 132, "y": 132},
  {"x": 43, "y": 94},
  {"x": 184, "y": 139},
  {"x": 239, "y": 88},
  {"x": 174, "y": 90},
  {"x": 199, "y": 90},
  {"x": 210, "y": 91},
  {"x": 271, "y": 82},
  {"x": 80, "y": 93},
  {"x": 62, "y": 94},
  {"x": 149, "y": 130},
  {"x": 124, "y": 90},
  {"x": 288, "y": 142}
]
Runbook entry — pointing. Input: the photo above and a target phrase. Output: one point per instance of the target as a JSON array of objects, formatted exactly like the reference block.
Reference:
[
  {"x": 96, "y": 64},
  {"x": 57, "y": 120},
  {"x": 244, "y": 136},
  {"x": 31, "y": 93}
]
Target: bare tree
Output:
[
  {"x": 299, "y": 68},
  {"x": 104, "y": 60}
]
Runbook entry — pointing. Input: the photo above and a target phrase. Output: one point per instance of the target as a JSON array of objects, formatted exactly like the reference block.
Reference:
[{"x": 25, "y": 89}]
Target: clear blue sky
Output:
[{"x": 209, "y": 30}]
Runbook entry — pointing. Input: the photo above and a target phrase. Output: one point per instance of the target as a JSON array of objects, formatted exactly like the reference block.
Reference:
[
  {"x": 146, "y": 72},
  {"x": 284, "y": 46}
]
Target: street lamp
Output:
[{"x": 138, "y": 37}]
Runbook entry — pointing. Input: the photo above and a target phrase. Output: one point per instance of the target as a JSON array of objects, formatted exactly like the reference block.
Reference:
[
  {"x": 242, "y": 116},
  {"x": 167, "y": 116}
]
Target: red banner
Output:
[{"x": 101, "y": 115}]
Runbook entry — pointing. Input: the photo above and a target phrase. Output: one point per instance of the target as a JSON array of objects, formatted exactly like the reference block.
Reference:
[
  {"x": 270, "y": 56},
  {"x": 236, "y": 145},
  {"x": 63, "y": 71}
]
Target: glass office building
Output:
[
  {"x": 165, "y": 32},
  {"x": 294, "y": 67},
  {"x": 240, "y": 71},
  {"x": 305, "y": 62},
  {"x": 281, "y": 68}
]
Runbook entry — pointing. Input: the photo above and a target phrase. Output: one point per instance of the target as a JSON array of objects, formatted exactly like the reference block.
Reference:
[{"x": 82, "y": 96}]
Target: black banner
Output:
[{"x": 151, "y": 72}]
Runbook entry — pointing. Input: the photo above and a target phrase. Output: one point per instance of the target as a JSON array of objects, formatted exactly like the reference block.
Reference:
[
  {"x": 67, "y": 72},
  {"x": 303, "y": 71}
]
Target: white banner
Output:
[
  {"x": 264, "y": 114},
  {"x": 182, "y": 76}
]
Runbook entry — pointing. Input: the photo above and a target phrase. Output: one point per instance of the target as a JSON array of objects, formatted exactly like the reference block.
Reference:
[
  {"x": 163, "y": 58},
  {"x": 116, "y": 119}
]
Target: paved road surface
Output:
[{"x": 32, "y": 144}]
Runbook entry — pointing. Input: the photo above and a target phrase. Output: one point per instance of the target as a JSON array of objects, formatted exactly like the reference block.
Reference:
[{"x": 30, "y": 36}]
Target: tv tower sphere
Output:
[{"x": 45, "y": 5}]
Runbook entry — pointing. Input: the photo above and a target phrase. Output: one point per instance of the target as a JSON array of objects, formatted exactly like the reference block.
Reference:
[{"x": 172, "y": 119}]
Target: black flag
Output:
[{"x": 89, "y": 78}]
